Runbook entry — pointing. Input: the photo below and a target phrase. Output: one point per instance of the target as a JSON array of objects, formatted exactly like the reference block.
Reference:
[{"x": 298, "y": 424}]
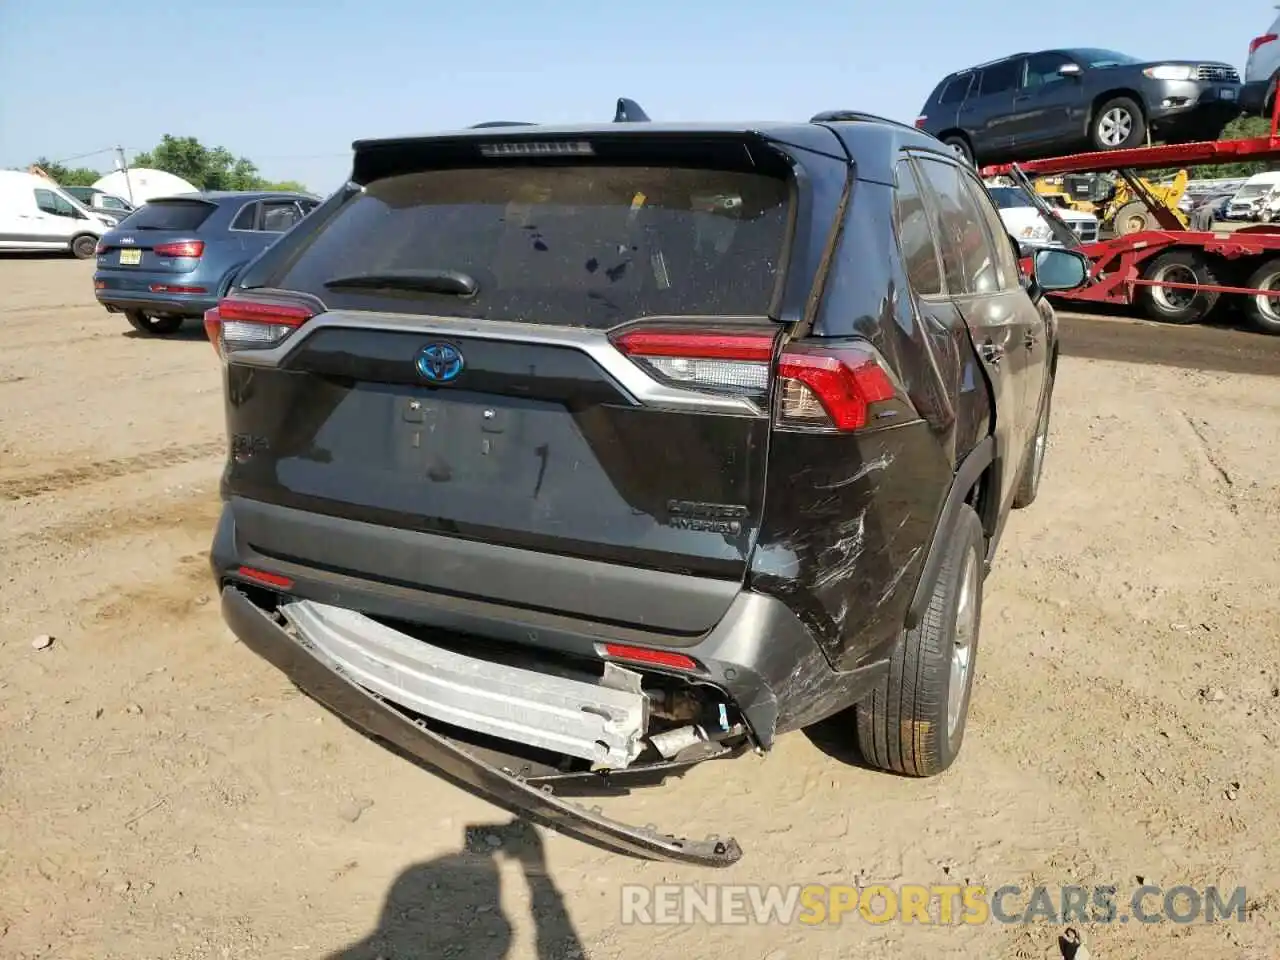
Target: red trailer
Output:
[{"x": 1174, "y": 274}]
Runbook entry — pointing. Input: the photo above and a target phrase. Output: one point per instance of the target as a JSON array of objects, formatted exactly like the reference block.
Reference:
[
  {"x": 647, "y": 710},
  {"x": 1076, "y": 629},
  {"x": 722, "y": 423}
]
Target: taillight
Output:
[
  {"x": 183, "y": 248},
  {"x": 719, "y": 361},
  {"x": 821, "y": 388},
  {"x": 239, "y": 323},
  {"x": 920, "y": 122},
  {"x": 100, "y": 248},
  {"x": 830, "y": 388},
  {"x": 1261, "y": 41}
]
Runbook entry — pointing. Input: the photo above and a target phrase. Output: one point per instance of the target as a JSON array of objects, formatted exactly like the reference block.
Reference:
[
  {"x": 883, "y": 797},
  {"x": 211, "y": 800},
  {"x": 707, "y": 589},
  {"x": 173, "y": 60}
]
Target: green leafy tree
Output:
[
  {"x": 68, "y": 176},
  {"x": 207, "y": 168}
]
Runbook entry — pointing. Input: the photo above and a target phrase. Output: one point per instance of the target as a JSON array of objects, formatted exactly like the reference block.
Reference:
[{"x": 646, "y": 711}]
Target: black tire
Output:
[
  {"x": 961, "y": 145},
  {"x": 902, "y": 726},
  {"x": 1264, "y": 312},
  {"x": 1173, "y": 305},
  {"x": 84, "y": 246},
  {"x": 1033, "y": 460},
  {"x": 1133, "y": 217},
  {"x": 1118, "y": 124},
  {"x": 151, "y": 326}
]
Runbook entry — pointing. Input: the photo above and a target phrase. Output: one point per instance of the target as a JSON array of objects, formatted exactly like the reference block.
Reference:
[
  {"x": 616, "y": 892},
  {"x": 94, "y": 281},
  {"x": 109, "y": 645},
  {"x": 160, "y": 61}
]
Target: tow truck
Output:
[{"x": 1171, "y": 272}]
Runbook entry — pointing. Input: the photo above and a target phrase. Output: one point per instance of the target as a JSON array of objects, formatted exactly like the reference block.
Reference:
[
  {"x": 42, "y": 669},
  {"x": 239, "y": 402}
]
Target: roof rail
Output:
[
  {"x": 502, "y": 123},
  {"x": 629, "y": 111}
]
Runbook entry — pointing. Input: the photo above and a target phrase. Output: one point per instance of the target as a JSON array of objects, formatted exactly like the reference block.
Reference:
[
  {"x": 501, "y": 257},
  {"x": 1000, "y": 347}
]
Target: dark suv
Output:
[
  {"x": 563, "y": 458},
  {"x": 1059, "y": 101}
]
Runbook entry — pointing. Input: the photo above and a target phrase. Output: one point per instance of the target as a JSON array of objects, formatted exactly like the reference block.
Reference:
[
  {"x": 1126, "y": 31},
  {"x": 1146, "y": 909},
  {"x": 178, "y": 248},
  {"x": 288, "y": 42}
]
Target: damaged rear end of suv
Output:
[{"x": 564, "y": 459}]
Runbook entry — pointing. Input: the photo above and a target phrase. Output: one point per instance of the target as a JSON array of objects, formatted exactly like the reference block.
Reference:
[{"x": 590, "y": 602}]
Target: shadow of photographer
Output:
[{"x": 450, "y": 907}]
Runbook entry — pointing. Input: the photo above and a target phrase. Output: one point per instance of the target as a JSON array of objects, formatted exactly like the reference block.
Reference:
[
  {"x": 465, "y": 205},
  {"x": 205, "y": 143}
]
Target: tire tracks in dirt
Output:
[
  {"x": 196, "y": 511},
  {"x": 66, "y": 478}
]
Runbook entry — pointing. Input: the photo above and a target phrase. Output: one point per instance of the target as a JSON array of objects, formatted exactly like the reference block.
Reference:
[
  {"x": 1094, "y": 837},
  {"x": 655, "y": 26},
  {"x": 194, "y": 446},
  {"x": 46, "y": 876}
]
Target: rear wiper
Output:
[{"x": 427, "y": 281}]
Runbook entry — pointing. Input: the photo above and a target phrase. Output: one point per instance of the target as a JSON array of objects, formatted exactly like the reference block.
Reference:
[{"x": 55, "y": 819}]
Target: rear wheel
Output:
[
  {"x": 1172, "y": 304},
  {"x": 1118, "y": 125},
  {"x": 1264, "y": 312},
  {"x": 151, "y": 326},
  {"x": 913, "y": 723},
  {"x": 84, "y": 246}
]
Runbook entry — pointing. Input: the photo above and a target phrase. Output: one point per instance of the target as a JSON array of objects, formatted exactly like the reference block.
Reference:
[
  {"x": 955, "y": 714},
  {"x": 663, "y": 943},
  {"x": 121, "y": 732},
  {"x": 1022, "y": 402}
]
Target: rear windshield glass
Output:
[
  {"x": 577, "y": 245},
  {"x": 169, "y": 215}
]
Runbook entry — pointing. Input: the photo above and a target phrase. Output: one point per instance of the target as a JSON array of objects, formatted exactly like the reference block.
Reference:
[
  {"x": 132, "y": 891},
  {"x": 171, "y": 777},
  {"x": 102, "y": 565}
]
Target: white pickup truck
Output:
[{"x": 1026, "y": 224}]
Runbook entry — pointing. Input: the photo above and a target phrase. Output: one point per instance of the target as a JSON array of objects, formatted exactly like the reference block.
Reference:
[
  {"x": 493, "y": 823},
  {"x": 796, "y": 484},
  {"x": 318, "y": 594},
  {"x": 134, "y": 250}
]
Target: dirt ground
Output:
[{"x": 163, "y": 793}]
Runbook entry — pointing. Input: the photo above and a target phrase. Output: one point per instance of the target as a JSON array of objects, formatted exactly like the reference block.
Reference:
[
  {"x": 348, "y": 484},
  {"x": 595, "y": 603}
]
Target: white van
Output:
[
  {"x": 37, "y": 214},
  {"x": 1256, "y": 199}
]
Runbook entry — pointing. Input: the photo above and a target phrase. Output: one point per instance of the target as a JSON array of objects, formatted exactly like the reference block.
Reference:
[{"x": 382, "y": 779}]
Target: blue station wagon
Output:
[{"x": 172, "y": 258}]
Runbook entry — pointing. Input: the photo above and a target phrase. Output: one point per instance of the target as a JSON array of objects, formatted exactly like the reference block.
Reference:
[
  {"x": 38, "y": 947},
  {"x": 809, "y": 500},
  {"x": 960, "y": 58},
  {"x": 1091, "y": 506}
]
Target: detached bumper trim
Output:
[{"x": 316, "y": 676}]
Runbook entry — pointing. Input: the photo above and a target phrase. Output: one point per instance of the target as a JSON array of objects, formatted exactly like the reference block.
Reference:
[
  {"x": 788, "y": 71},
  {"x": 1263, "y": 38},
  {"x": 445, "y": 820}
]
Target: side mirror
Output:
[
  {"x": 1070, "y": 70},
  {"x": 1059, "y": 269}
]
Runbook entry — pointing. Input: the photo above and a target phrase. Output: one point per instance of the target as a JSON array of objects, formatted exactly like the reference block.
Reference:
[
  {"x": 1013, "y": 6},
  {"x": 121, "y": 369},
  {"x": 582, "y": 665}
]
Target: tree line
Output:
[{"x": 206, "y": 168}]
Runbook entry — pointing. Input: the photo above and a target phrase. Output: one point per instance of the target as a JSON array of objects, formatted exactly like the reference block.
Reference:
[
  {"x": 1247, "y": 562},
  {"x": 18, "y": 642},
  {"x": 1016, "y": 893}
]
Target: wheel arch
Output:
[
  {"x": 974, "y": 485},
  {"x": 1111, "y": 94}
]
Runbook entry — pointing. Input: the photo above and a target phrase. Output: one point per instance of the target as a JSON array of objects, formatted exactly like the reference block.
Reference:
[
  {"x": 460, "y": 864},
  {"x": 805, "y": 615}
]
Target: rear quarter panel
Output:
[{"x": 848, "y": 520}]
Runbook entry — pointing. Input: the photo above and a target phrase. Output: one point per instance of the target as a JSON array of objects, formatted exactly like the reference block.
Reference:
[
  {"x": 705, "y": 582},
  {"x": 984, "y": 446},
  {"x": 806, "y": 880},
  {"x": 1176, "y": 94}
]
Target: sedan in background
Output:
[{"x": 172, "y": 258}]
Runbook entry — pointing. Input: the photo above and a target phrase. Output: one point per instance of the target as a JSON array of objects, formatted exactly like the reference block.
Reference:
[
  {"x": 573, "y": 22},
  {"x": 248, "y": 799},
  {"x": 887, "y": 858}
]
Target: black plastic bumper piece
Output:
[{"x": 311, "y": 672}]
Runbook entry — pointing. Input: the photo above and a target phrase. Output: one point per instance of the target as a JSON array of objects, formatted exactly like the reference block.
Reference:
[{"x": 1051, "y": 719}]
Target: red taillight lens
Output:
[
  {"x": 656, "y": 658},
  {"x": 100, "y": 248},
  {"x": 183, "y": 248},
  {"x": 720, "y": 361},
  {"x": 239, "y": 323},
  {"x": 830, "y": 388},
  {"x": 920, "y": 122},
  {"x": 1261, "y": 41}
]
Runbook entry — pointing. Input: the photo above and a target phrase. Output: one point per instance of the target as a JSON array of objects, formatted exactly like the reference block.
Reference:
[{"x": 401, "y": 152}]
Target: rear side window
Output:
[
  {"x": 571, "y": 245},
  {"x": 1001, "y": 77},
  {"x": 968, "y": 262},
  {"x": 957, "y": 89},
  {"x": 184, "y": 215},
  {"x": 246, "y": 218},
  {"x": 915, "y": 238}
]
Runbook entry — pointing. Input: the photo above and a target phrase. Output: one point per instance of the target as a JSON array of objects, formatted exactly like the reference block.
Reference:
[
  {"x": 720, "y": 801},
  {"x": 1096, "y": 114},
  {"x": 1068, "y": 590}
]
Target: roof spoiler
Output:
[{"x": 627, "y": 111}]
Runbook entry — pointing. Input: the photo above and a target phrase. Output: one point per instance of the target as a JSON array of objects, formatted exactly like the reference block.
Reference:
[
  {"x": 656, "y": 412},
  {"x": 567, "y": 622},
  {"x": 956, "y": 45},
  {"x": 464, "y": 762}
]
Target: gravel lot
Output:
[{"x": 163, "y": 793}]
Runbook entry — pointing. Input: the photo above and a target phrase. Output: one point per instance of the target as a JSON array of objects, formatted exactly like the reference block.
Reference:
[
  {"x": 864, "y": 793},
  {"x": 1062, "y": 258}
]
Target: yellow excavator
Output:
[{"x": 1118, "y": 209}]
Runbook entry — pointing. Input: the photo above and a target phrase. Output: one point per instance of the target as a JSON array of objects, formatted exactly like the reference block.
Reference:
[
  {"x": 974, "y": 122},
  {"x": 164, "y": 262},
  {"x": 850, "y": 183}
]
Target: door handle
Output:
[{"x": 992, "y": 352}]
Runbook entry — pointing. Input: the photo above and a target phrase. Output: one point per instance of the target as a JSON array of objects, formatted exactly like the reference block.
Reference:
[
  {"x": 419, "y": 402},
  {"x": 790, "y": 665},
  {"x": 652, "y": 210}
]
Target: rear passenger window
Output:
[
  {"x": 915, "y": 239},
  {"x": 582, "y": 245},
  {"x": 279, "y": 215},
  {"x": 1001, "y": 77},
  {"x": 957, "y": 89},
  {"x": 968, "y": 262}
]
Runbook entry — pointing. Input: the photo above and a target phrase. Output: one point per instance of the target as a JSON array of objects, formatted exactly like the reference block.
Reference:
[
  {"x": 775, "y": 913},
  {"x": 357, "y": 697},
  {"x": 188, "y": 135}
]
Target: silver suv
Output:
[{"x": 1260, "y": 71}]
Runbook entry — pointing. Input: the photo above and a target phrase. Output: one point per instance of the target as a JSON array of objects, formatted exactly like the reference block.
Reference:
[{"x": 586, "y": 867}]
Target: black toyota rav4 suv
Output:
[{"x": 563, "y": 458}]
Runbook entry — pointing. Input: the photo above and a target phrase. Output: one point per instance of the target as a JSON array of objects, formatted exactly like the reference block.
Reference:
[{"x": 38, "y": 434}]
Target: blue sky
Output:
[{"x": 290, "y": 85}]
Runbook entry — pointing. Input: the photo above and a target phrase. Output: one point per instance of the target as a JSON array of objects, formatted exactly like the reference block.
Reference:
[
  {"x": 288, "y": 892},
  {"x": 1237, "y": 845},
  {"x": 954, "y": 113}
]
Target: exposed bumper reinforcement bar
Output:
[
  {"x": 585, "y": 720},
  {"x": 321, "y": 679}
]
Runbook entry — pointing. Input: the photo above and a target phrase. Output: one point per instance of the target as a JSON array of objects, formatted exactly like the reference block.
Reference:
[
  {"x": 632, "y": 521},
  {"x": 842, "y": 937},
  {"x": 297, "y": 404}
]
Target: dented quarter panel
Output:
[{"x": 848, "y": 521}]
